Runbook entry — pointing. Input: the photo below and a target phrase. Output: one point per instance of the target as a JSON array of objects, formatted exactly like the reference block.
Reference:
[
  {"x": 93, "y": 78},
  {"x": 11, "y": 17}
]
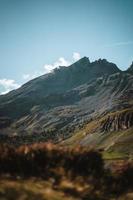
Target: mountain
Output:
[
  {"x": 69, "y": 104},
  {"x": 61, "y": 80}
]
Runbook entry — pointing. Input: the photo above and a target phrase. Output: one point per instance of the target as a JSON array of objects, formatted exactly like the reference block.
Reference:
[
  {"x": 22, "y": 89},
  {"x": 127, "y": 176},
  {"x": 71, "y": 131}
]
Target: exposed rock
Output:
[{"x": 117, "y": 121}]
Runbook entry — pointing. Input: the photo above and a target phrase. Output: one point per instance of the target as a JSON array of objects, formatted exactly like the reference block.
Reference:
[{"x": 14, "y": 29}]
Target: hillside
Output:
[{"x": 58, "y": 105}]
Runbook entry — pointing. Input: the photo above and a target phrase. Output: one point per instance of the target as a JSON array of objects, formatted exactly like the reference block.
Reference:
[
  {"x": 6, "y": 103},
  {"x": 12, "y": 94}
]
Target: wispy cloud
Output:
[
  {"x": 49, "y": 67},
  {"x": 7, "y": 85},
  {"x": 119, "y": 44},
  {"x": 60, "y": 62},
  {"x": 35, "y": 74}
]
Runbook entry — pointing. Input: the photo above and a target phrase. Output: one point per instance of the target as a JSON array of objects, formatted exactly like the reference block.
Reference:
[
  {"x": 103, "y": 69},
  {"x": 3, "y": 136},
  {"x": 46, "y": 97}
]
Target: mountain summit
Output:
[
  {"x": 55, "y": 105},
  {"x": 59, "y": 81}
]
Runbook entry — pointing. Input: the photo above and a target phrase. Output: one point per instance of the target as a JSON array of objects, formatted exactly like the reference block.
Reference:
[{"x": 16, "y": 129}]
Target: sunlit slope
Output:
[{"x": 112, "y": 134}]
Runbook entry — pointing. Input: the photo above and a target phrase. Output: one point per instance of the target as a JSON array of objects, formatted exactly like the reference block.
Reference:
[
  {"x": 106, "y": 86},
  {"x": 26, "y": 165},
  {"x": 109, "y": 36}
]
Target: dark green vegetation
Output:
[{"x": 75, "y": 173}]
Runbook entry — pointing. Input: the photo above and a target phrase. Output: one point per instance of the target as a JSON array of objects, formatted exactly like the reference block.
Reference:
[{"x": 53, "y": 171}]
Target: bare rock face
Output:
[{"x": 120, "y": 120}]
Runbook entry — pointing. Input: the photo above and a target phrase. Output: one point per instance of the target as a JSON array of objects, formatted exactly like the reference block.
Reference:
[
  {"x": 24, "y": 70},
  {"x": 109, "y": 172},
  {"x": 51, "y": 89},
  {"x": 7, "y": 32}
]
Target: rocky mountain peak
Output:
[
  {"x": 64, "y": 79},
  {"x": 83, "y": 60}
]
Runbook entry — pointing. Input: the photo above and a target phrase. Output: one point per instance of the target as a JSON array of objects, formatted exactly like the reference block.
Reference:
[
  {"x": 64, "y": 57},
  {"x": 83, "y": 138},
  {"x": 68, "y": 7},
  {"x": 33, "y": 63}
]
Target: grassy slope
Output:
[{"x": 115, "y": 145}]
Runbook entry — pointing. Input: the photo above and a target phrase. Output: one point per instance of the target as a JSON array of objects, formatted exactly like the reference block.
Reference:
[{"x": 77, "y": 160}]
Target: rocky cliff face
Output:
[{"x": 120, "y": 120}]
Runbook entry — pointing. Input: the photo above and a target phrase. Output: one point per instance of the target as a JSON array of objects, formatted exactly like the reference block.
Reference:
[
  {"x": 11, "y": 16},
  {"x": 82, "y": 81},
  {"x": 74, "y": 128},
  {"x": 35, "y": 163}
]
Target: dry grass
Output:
[
  {"x": 50, "y": 172},
  {"x": 31, "y": 189}
]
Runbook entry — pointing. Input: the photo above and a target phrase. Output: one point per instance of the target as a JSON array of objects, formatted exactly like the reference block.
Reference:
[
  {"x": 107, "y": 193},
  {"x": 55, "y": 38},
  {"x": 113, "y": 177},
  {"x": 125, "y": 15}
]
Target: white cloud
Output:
[
  {"x": 49, "y": 67},
  {"x": 76, "y": 56},
  {"x": 60, "y": 62},
  {"x": 33, "y": 75},
  {"x": 7, "y": 85}
]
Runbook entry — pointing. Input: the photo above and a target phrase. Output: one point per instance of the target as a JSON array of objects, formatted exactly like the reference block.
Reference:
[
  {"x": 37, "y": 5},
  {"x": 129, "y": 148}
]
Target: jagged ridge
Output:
[{"x": 53, "y": 106}]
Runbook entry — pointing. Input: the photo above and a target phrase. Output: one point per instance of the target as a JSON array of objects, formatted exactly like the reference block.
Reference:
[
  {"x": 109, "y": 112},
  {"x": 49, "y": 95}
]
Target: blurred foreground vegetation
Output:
[{"x": 48, "y": 172}]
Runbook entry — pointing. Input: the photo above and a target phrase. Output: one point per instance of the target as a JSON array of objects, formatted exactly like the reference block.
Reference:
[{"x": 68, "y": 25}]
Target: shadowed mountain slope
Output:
[
  {"x": 57, "y": 105},
  {"x": 51, "y": 85}
]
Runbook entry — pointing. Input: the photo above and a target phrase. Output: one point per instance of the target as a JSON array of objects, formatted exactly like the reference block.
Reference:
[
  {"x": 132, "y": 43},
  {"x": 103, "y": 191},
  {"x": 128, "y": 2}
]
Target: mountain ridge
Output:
[
  {"x": 61, "y": 80},
  {"x": 53, "y": 106}
]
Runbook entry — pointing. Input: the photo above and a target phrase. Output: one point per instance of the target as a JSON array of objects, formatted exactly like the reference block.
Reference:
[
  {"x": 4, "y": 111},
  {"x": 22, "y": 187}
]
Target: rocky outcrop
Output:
[{"x": 120, "y": 120}]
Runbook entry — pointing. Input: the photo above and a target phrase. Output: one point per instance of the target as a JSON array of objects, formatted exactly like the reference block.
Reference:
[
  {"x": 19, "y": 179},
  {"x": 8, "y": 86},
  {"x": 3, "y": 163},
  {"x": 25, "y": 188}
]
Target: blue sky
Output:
[{"x": 38, "y": 35}]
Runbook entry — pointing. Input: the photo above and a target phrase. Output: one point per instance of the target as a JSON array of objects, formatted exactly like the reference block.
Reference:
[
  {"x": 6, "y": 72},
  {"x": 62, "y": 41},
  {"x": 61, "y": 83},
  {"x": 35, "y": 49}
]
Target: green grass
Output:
[
  {"x": 81, "y": 134},
  {"x": 113, "y": 155}
]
